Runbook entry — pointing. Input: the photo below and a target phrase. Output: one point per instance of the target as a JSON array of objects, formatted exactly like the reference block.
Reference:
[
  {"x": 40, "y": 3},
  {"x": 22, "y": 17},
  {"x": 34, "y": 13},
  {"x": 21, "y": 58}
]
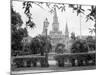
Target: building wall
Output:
[{"x": 56, "y": 39}]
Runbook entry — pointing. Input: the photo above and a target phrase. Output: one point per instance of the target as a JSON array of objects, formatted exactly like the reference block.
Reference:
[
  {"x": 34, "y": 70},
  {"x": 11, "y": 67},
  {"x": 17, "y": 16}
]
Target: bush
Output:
[
  {"x": 59, "y": 48},
  {"x": 79, "y": 46}
]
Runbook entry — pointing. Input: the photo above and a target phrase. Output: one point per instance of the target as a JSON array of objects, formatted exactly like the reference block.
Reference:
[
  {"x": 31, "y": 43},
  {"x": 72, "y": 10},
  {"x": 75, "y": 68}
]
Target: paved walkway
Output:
[{"x": 52, "y": 69}]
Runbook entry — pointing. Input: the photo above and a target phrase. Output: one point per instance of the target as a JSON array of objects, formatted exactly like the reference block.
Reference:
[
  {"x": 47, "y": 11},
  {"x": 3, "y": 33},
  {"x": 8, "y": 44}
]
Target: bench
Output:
[
  {"x": 80, "y": 57},
  {"x": 28, "y": 61}
]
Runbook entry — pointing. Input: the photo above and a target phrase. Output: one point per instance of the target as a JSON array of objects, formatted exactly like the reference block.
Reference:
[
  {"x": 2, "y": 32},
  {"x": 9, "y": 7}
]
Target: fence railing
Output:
[{"x": 59, "y": 58}]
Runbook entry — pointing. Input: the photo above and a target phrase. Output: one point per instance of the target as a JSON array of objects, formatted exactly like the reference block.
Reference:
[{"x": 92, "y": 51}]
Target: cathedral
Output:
[{"x": 55, "y": 34}]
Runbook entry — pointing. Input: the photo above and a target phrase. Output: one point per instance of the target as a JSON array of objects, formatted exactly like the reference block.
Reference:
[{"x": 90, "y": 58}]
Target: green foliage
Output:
[
  {"x": 40, "y": 45},
  {"x": 17, "y": 33},
  {"x": 79, "y": 46},
  {"x": 62, "y": 7},
  {"x": 15, "y": 18},
  {"x": 77, "y": 8},
  {"x": 59, "y": 48},
  {"x": 91, "y": 43},
  {"x": 27, "y": 5},
  {"x": 92, "y": 16},
  {"x": 30, "y": 23},
  {"x": 16, "y": 38},
  {"x": 73, "y": 36},
  {"x": 91, "y": 30}
]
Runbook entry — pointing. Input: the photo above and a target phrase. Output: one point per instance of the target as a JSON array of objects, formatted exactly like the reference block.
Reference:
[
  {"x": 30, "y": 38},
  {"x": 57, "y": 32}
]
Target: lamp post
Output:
[
  {"x": 46, "y": 23},
  {"x": 46, "y": 50}
]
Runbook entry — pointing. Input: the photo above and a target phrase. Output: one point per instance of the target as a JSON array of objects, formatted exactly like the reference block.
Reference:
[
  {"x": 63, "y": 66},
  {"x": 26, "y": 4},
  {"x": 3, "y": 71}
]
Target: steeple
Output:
[
  {"x": 45, "y": 25},
  {"x": 55, "y": 23},
  {"x": 66, "y": 31}
]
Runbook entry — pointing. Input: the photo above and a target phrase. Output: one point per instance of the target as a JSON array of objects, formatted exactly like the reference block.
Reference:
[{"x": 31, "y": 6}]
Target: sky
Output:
[{"x": 67, "y": 17}]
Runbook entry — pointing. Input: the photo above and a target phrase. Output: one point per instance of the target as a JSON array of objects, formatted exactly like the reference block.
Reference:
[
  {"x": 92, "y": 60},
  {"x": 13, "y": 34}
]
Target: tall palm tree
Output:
[
  {"x": 92, "y": 16},
  {"x": 91, "y": 31}
]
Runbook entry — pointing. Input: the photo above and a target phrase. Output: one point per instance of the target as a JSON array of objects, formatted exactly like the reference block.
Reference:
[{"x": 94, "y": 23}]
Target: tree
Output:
[
  {"x": 59, "y": 48},
  {"x": 17, "y": 33},
  {"x": 77, "y": 8},
  {"x": 92, "y": 16},
  {"x": 15, "y": 18},
  {"x": 27, "y": 5},
  {"x": 79, "y": 46},
  {"x": 39, "y": 45},
  {"x": 91, "y": 43},
  {"x": 91, "y": 31},
  {"x": 73, "y": 36}
]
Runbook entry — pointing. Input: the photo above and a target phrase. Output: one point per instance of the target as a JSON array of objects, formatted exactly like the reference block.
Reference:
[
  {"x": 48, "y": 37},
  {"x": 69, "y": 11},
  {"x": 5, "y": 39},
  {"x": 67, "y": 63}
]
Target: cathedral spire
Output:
[
  {"x": 55, "y": 24},
  {"x": 45, "y": 25},
  {"x": 66, "y": 31},
  {"x": 55, "y": 17}
]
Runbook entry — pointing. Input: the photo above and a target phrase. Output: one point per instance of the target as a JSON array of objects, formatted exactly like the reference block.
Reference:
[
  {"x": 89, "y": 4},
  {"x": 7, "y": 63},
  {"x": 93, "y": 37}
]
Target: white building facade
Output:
[{"x": 55, "y": 34}]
